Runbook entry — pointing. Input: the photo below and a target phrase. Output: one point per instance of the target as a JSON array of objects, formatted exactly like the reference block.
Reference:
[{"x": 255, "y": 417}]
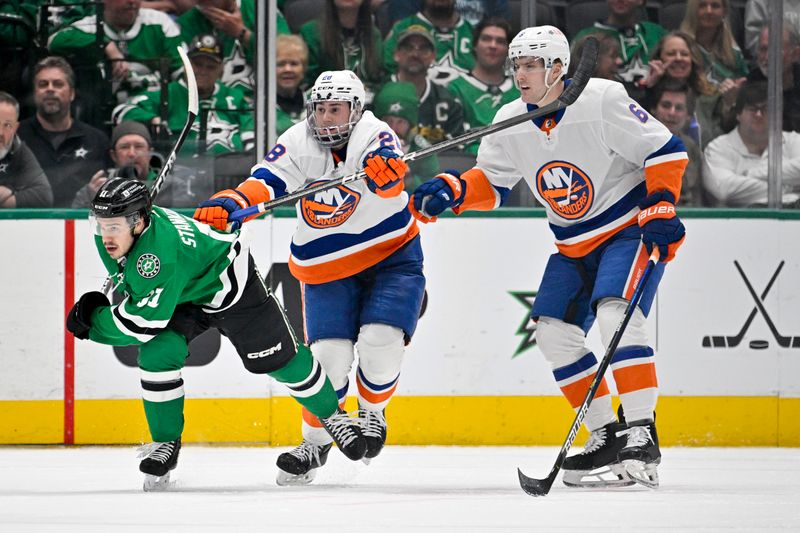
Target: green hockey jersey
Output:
[
  {"x": 153, "y": 36},
  {"x": 229, "y": 126},
  {"x": 453, "y": 48},
  {"x": 176, "y": 260},
  {"x": 635, "y": 46},
  {"x": 481, "y": 101}
]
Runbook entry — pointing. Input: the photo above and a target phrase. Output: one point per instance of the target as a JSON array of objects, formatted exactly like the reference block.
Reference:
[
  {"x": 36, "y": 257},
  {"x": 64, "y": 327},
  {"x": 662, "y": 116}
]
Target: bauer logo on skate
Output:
[
  {"x": 565, "y": 188},
  {"x": 329, "y": 208}
]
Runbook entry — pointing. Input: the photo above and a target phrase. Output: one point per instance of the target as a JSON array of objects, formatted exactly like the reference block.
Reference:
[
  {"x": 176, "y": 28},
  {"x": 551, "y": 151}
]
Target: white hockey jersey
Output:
[
  {"x": 589, "y": 166},
  {"x": 346, "y": 229}
]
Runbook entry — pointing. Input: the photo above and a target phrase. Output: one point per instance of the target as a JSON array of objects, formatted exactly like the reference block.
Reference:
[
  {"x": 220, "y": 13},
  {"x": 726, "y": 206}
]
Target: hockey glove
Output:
[
  {"x": 385, "y": 172},
  {"x": 436, "y": 195},
  {"x": 79, "y": 319},
  {"x": 660, "y": 225},
  {"x": 216, "y": 210}
]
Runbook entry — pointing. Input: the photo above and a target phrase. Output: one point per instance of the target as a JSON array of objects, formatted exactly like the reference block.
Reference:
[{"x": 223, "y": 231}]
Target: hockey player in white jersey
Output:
[
  {"x": 609, "y": 175},
  {"x": 356, "y": 251}
]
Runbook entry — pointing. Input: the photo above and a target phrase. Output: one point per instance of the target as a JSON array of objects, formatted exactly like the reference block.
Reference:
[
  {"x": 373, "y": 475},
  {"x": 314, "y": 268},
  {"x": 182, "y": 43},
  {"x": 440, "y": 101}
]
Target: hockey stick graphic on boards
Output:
[
  {"x": 540, "y": 487},
  {"x": 192, "y": 109},
  {"x": 583, "y": 72},
  {"x": 732, "y": 341},
  {"x": 783, "y": 341}
]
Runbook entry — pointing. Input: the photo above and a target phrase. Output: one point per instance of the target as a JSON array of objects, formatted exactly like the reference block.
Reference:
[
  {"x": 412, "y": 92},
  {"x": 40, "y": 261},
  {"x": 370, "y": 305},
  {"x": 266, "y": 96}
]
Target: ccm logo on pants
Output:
[{"x": 265, "y": 353}]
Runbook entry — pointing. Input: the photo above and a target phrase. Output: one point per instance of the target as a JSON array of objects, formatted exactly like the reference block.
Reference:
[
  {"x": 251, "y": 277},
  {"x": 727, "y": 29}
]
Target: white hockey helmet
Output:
[
  {"x": 336, "y": 86},
  {"x": 546, "y": 42}
]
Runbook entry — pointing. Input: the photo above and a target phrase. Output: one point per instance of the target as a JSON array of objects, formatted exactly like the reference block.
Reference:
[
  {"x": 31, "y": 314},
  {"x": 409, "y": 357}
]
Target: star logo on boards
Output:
[
  {"x": 81, "y": 153},
  {"x": 527, "y": 329}
]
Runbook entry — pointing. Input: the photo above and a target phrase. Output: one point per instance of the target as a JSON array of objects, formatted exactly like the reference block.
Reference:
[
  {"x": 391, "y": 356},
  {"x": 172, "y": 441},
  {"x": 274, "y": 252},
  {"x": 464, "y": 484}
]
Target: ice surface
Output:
[{"x": 405, "y": 489}]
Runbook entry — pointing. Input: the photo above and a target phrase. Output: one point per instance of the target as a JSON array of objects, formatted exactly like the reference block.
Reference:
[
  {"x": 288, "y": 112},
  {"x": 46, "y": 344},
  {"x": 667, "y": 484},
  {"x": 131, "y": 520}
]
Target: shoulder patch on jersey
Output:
[
  {"x": 329, "y": 208},
  {"x": 148, "y": 265},
  {"x": 567, "y": 189}
]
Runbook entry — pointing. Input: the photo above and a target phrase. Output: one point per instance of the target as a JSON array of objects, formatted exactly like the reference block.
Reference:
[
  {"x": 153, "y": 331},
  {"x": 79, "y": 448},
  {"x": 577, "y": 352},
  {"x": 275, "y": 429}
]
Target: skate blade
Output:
[
  {"x": 612, "y": 476},
  {"x": 366, "y": 460},
  {"x": 285, "y": 479},
  {"x": 157, "y": 483},
  {"x": 642, "y": 473}
]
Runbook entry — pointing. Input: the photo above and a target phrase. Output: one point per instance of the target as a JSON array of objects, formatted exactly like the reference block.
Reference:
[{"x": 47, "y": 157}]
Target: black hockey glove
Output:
[{"x": 79, "y": 319}]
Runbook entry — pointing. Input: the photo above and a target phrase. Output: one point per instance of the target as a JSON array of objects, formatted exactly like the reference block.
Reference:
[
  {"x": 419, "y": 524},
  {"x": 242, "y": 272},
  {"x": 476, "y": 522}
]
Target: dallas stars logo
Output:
[
  {"x": 81, "y": 153},
  {"x": 528, "y": 327},
  {"x": 148, "y": 265},
  {"x": 395, "y": 108}
]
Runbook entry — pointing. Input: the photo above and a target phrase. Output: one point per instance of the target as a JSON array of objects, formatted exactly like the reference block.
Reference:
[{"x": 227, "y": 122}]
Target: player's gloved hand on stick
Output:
[
  {"x": 217, "y": 209},
  {"x": 79, "y": 319},
  {"x": 385, "y": 172},
  {"x": 660, "y": 224},
  {"x": 435, "y": 195}
]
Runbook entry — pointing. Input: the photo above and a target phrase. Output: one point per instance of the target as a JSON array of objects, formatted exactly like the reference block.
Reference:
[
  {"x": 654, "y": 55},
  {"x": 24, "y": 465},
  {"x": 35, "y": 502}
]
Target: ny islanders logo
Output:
[
  {"x": 329, "y": 208},
  {"x": 566, "y": 189}
]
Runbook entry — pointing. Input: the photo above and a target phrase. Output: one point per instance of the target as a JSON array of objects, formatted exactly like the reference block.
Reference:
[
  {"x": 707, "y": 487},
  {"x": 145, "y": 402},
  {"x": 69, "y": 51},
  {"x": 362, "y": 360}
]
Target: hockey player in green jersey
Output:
[{"x": 179, "y": 278}]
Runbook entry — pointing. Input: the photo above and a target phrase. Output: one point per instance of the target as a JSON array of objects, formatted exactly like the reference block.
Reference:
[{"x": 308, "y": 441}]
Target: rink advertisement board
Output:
[{"x": 724, "y": 325}]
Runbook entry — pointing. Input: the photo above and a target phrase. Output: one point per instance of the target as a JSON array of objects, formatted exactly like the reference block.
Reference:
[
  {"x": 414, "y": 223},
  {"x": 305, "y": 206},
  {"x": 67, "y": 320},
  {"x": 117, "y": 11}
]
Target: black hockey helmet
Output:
[{"x": 121, "y": 197}]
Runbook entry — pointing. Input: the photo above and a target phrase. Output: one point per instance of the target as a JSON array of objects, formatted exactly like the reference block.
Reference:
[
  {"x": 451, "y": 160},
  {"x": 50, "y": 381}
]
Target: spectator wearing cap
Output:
[
  {"x": 345, "y": 38},
  {"x": 473, "y": 11},
  {"x": 68, "y": 150},
  {"x": 736, "y": 163},
  {"x": 397, "y": 105},
  {"x": 133, "y": 157},
  {"x": 451, "y": 33},
  {"x": 291, "y": 61},
  {"x": 487, "y": 87},
  {"x": 22, "y": 180},
  {"x": 233, "y": 24},
  {"x": 441, "y": 116},
  {"x": 225, "y": 115}
]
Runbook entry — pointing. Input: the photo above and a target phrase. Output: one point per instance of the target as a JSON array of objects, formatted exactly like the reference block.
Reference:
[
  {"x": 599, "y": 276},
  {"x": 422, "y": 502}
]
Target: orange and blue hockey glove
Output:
[
  {"x": 216, "y": 210},
  {"x": 435, "y": 195},
  {"x": 385, "y": 172},
  {"x": 660, "y": 224}
]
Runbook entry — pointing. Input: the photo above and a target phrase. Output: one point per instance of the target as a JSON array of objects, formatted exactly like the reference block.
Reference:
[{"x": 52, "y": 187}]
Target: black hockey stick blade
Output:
[
  {"x": 540, "y": 487},
  {"x": 580, "y": 78}
]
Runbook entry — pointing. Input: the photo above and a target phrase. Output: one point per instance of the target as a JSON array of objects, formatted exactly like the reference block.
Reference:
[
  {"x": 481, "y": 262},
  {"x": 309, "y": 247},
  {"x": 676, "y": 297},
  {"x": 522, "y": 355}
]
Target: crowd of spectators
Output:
[{"x": 96, "y": 88}]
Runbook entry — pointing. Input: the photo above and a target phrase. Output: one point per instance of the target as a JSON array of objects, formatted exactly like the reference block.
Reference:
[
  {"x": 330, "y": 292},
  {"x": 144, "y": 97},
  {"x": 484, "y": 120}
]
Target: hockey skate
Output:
[
  {"x": 641, "y": 454},
  {"x": 597, "y": 465},
  {"x": 373, "y": 426},
  {"x": 346, "y": 433},
  {"x": 159, "y": 458},
  {"x": 299, "y": 466}
]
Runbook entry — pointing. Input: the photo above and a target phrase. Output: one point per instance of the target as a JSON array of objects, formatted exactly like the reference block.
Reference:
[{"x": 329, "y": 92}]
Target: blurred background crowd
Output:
[{"x": 91, "y": 89}]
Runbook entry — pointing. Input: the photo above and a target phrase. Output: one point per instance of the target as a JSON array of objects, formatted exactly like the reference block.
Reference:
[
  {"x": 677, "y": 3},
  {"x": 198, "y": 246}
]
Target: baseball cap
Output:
[
  {"x": 129, "y": 127},
  {"x": 205, "y": 44},
  {"x": 416, "y": 29}
]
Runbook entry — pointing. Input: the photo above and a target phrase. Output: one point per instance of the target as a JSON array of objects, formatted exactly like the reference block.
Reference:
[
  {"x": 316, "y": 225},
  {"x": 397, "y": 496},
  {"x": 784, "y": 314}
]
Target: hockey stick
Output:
[
  {"x": 783, "y": 341},
  {"x": 191, "y": 84},
  {"x": 732, "y": 341},
  {"x": 583, "y": 72},
  {"x": 540, "y": 487}
]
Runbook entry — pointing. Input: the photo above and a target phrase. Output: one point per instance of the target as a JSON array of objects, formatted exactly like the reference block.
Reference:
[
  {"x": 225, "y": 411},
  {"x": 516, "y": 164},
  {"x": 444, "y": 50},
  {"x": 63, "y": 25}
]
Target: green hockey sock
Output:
[
  {"x": 308, "y": 383},
  {"x": 165, "y": 419}
]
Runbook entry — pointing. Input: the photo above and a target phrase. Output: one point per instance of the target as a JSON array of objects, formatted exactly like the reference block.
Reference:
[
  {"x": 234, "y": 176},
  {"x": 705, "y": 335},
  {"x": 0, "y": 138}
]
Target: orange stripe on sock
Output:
[
  {"x": 575, "y": 392},
  {"x": 635, "y": 377},
  {"x": 375, "y": 397}
]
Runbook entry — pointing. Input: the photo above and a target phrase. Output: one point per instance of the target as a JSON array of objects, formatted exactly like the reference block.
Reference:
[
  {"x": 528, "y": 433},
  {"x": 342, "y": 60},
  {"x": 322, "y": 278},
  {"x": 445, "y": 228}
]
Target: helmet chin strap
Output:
[{"x": 549, "y": 86}]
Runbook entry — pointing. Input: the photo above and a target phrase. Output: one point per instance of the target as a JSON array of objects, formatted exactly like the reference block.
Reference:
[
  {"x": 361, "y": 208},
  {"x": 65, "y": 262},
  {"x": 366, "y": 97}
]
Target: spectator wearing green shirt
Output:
[
  {"x": 707, "y": 22},
  {"x": 451, "y": 33},
  {"x": 440, "y": 115},
  {"x": 637, "y": 39},
  {"x": 229, "y": 119},
  {"x": 345, "y": 39},
  {"x": 487, "y": 87},
  {"x": 233, "y": 24},
  {"x": 291, "y": 61}
]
